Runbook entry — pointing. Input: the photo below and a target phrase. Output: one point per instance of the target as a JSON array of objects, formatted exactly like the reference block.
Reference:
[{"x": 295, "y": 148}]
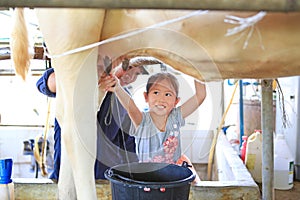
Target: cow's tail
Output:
[{"x": 19, "y": 44}]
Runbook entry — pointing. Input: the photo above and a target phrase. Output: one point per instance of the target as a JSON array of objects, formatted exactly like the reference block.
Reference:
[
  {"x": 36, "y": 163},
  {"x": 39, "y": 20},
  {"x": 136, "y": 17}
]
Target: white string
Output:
[
  {"x": 243, "y": 24},
  {"x": 122, "y": 36}
]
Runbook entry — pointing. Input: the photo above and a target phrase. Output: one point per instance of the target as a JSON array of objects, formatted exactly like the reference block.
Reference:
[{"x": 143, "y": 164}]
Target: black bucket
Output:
[{"x": 144, "y": 181}]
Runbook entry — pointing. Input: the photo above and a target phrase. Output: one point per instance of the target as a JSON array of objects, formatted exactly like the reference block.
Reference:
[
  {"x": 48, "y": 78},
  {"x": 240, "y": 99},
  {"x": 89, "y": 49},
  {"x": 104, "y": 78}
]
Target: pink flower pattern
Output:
[{"x": 170, "y": 146}]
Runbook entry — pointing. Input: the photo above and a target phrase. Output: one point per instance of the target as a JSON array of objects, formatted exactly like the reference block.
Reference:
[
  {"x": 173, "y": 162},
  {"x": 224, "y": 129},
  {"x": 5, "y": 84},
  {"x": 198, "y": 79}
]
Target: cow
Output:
[{"x": 201, "y": 44}]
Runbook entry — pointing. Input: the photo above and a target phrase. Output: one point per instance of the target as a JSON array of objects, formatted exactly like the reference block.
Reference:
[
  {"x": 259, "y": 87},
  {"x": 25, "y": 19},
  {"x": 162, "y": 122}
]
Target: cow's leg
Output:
[
  {"x": 66, "y": 186},
  {"x": 79, "y": 128},
  {"x": 63, "y": 30}
]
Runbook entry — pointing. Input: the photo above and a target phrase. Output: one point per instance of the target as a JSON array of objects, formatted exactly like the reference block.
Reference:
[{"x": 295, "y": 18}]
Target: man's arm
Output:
[{"x": 48, "y": 77}]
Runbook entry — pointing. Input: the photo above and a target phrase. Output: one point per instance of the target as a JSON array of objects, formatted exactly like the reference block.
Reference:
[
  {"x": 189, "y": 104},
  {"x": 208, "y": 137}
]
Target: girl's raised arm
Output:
[
  {"x": 195, "y": 101},
  {"x": 112, "y": 84}
]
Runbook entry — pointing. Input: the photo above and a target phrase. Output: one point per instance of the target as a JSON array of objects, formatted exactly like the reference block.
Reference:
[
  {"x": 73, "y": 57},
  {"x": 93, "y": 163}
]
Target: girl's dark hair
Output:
[{"x": 162, "y": 76}]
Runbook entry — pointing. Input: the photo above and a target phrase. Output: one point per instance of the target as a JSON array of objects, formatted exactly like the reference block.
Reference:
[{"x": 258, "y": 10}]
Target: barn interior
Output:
[{"x": 24, "y": 110}]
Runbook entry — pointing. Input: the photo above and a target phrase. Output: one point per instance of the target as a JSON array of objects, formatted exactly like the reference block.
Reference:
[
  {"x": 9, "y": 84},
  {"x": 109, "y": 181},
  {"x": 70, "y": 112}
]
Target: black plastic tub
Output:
[{"x": 155, "y": 181}]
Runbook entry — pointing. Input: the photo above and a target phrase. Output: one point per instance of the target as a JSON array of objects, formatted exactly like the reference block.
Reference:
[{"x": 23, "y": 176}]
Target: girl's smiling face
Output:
[{"x": 161, "y": 97}]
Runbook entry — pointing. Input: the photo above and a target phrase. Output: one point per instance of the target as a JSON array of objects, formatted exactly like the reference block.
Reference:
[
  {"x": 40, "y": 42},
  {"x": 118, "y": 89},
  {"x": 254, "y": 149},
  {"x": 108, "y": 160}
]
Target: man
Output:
[{"x": 115, "y": 146}]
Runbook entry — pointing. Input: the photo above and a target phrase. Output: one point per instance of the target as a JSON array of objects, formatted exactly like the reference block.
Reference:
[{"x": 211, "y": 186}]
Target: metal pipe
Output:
[
  {"x": 268, "y": 140},
  {"x": 241, "y": 106},
  {"x": 241, "y": 5}
]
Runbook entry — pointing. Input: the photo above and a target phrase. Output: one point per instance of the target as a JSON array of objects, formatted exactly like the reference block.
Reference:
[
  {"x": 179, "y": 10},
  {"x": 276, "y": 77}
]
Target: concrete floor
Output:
[{"x": 292, "y": 194}]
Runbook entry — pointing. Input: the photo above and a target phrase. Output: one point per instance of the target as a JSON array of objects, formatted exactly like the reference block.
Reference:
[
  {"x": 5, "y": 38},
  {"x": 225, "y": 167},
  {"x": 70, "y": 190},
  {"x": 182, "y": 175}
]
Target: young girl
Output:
[{"x": 158, "y": 130}]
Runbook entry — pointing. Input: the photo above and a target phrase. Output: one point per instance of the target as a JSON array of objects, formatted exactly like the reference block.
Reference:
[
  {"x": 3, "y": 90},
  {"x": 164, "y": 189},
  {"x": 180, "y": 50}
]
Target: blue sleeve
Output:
[{"x": 41, "y": 84}]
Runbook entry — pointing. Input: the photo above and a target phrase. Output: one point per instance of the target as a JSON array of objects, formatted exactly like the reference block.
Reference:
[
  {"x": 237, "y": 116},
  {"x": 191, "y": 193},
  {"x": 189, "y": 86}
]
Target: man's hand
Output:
[{"x": 107, "y": 82}]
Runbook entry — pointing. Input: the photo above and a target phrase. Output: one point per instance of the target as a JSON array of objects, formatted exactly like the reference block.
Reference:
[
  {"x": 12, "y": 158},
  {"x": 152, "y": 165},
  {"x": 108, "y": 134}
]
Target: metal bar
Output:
[
  {"x": 23, "y": 125},
  {"x": 33, "y": 72},
  {"x": 241, "y": 5},
  {"x": 268, "y": 140}
]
